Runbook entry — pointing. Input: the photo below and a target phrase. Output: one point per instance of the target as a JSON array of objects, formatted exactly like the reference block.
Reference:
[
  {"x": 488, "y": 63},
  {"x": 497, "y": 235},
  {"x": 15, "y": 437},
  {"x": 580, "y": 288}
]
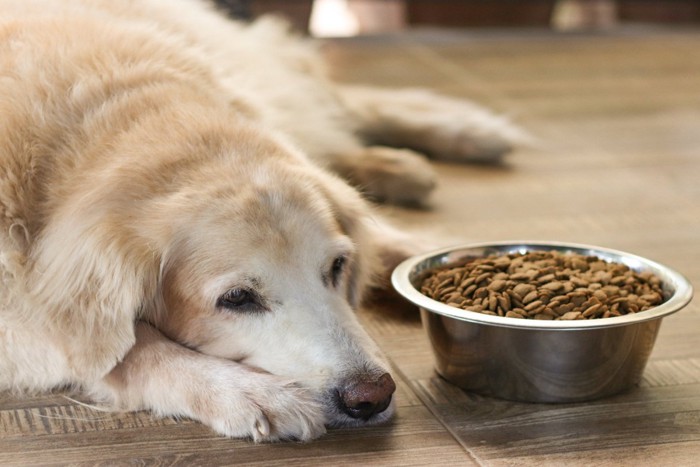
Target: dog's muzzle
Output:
[{"x": 363, "y": 398}]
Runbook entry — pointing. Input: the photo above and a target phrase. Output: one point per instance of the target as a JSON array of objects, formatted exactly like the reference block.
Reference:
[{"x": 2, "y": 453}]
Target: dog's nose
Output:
[{"x": 363, "y": 398}]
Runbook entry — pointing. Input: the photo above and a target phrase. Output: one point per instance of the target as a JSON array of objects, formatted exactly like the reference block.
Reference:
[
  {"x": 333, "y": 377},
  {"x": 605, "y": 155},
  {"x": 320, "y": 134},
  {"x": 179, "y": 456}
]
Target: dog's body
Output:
[{"x": 165, "y": 240}]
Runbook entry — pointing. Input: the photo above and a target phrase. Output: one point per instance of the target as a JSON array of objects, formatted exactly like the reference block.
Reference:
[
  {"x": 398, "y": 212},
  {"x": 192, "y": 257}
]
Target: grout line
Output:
[
  {"x": 425, "y": 399},
  {"x": 459, "y": 74}
]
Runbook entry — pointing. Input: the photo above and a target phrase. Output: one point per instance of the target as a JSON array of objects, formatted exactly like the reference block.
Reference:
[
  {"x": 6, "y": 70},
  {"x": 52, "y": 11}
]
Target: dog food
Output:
[{"x": 544, "y": 285}]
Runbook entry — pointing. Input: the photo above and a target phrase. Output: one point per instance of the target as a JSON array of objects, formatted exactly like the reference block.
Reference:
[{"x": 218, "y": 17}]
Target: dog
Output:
[{"x": 185, "y": 214}]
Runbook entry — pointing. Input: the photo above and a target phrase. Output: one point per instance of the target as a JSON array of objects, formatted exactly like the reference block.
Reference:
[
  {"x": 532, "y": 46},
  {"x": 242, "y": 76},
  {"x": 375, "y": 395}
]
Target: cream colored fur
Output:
[{"x": 155, "y": 156}]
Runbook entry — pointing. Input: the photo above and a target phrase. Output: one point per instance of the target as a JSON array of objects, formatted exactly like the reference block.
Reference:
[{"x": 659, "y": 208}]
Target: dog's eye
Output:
[
  {"x": 239, "y": 299},
  {"x": 337, "y": 269}
]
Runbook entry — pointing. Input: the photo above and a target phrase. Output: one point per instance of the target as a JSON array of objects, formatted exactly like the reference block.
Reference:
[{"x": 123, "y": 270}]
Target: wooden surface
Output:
[{"x": 618, "y": 165}]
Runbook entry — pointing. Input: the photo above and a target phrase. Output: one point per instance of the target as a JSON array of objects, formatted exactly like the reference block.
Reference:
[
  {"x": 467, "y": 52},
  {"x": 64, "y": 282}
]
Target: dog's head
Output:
[{"x": 265, "y": 264}]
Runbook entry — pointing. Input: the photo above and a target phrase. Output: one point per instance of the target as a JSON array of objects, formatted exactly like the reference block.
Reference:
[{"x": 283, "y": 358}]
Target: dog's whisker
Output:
[{"x": 89, "y": 406}]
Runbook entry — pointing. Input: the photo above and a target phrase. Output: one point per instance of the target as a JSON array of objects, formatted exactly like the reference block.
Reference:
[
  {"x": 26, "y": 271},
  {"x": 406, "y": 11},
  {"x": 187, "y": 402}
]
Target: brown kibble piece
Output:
[
  {"x": 591, "y": 310},
  {"x": 543, "y": 316},
  {"x": 537, "y": 304},
  {"x": 570, "y": 315},
  {"x": 554, "y": 286},
  {"x": 523, "y": 289},
  {"x": 532, "y": 296}
]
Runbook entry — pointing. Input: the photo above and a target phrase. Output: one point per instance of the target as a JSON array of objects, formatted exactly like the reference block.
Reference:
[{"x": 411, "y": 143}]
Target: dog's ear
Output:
[
  {"x": 380, "y": 247},
  {"x": 90, "y": 278},
  {"x": 362, "y": 270},
  {"x": 352, "y": 214}
]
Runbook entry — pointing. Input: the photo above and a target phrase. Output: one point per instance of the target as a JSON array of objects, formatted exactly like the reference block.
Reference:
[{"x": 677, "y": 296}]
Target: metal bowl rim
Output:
[{"x": 682, "y": 289}]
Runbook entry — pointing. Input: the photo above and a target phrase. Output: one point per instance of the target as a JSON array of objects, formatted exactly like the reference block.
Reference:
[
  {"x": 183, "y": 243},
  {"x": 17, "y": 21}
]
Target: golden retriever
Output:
[{"x": 172, "y": 235}]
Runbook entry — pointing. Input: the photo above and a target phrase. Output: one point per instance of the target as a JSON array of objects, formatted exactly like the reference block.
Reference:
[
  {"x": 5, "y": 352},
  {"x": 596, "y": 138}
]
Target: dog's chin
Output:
[{"x": 338, "y": 419}]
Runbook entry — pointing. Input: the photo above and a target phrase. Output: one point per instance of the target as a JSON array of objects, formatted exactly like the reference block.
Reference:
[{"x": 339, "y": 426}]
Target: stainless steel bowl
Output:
[{"x": 532, "y": 360}]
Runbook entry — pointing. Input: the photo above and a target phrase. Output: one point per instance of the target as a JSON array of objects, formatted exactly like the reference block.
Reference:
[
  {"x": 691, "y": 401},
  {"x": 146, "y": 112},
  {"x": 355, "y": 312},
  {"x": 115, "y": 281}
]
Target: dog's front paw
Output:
[
  {"x": 235, "y": 400},
  {"x": 398, "y": 176},
  {"x": 267, "y": 409}
]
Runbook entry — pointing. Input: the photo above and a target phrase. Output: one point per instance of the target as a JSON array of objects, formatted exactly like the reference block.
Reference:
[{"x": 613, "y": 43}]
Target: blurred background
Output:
[{"x": 338, "y": 18}]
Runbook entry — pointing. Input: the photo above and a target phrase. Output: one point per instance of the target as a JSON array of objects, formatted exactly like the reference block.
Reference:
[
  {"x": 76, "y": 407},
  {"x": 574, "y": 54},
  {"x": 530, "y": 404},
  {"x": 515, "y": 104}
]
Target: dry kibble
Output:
[
  {"x": 600, "y": 295},
  {"x": 571, "y": 315},
  {"x": 530, "y": 297},
  {"x": 544, "y": 285},
  {"x": 536, "y": 305},
  {"x": 543, "y": 316},
  {"x": 592, "y": 310},
  {"x": 522, "y": 290},
  {"x": 554, "y": 286}
]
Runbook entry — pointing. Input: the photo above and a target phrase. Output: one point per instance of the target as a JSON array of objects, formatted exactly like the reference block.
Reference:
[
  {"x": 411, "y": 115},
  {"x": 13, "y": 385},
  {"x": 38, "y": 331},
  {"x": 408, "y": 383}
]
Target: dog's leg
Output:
[
  {"x": 398, "y": 176},
  {"x": 442, "y": 127},
  {"x": 237, "y": 401}
]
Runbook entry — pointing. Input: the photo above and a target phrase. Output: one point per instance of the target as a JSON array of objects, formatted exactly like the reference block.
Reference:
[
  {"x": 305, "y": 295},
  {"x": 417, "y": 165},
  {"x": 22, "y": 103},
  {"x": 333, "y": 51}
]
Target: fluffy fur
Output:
[{"x": 171, "y": 234}]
